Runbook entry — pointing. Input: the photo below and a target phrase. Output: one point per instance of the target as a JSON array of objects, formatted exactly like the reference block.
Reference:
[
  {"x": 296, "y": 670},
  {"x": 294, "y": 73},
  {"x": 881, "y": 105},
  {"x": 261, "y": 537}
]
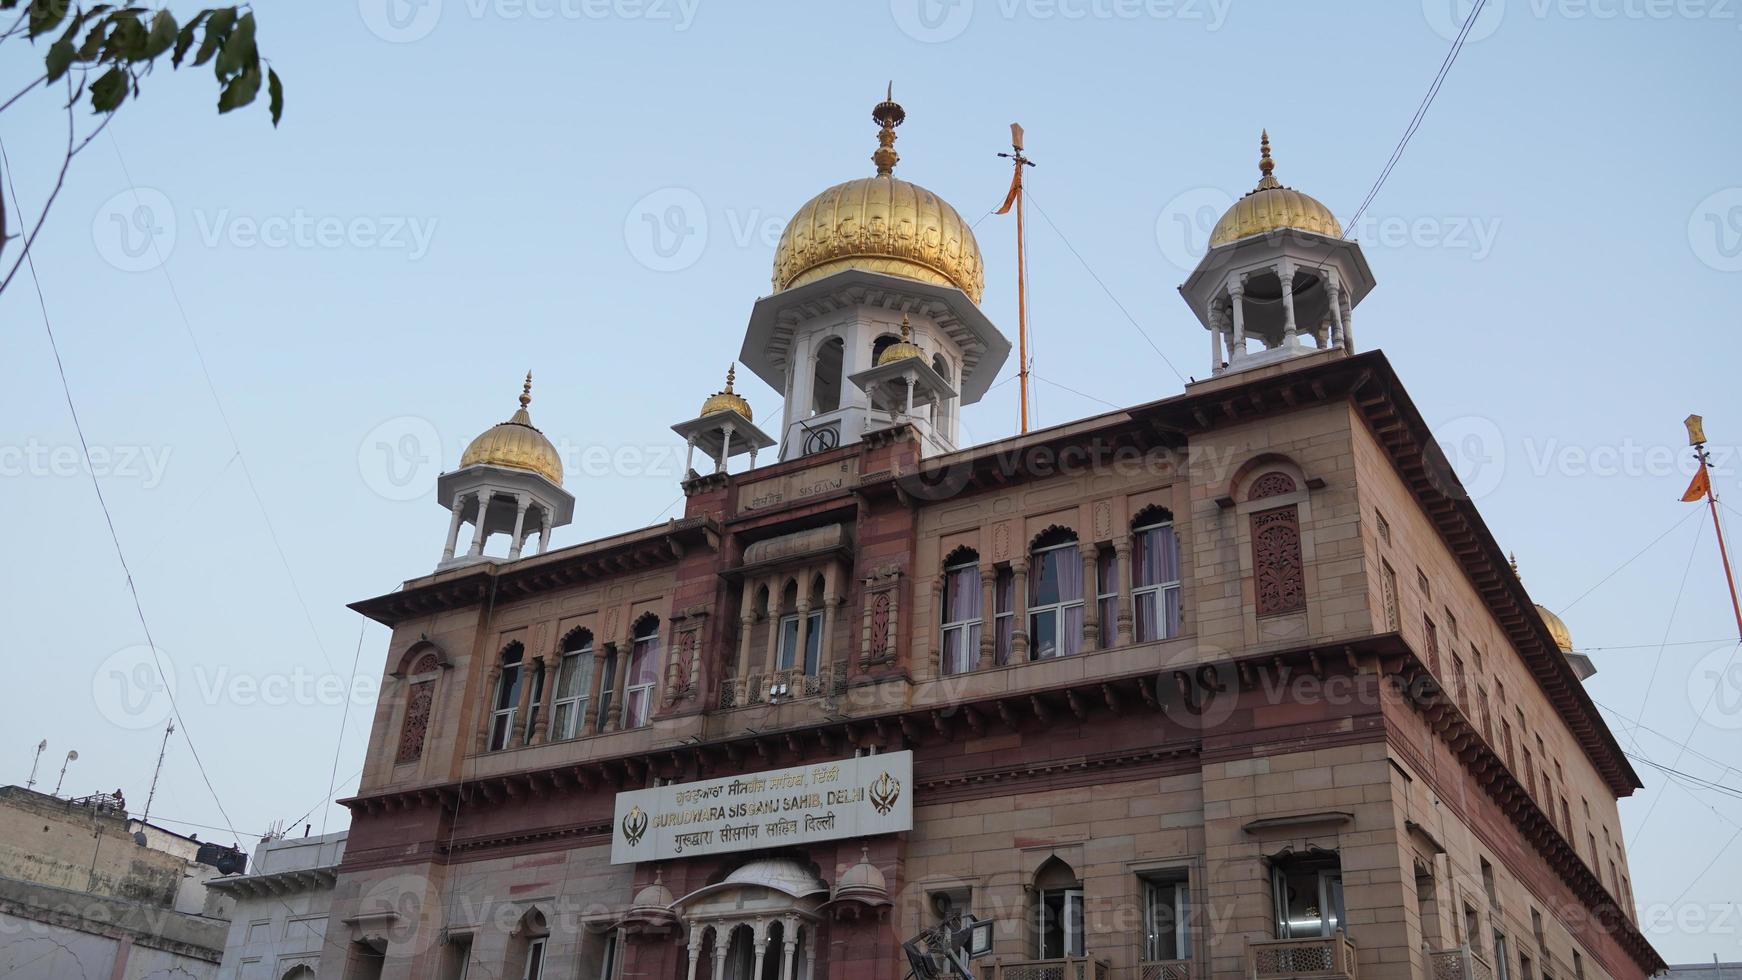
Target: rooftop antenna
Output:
[
  {"x": 41, "y": 747},
  {"x": 161, "y": 752},
  {"x": 72, "y": 757},
  {"x": 1017, "y": 162}
]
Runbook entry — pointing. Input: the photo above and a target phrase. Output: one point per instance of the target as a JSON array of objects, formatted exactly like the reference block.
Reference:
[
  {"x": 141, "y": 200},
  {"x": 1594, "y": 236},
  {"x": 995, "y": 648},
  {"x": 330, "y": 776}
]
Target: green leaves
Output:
[{"x": 122, "y": 44}]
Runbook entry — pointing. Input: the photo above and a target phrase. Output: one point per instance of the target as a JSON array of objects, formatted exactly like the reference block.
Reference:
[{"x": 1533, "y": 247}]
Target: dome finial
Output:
[
  {"x": 526, "y": 391},
  {"x": 888, "y": 114},
  {"x": 1265, "y": 164},
  {"x": 731, "y": 376}
]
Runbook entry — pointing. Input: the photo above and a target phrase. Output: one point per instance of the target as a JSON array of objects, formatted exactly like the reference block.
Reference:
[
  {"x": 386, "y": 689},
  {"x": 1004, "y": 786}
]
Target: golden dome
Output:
[
  {"x": 720, "y": 401},
  {"x": 1271, "y": 207},
  {"x": 901, "y": 349},
  {"x": 515, "y": 444},
  {"x": 880, "y": 224},
  {"x": 1563, "y": 637}
]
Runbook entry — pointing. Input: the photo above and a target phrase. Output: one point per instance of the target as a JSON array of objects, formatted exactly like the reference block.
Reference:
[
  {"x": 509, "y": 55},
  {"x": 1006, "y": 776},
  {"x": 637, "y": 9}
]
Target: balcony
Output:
[
  {"x": 1164, "y": 970},
  {"x": 1298, "y": 959},
  {"x": 1067, "y": 968},
  {"x": 737, "y": 692},
  {"x": 1459, "y": 963}
]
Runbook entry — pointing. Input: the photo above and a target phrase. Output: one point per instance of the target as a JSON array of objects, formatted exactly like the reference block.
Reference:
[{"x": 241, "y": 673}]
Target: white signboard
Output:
[{"x": 858, "y": 797}]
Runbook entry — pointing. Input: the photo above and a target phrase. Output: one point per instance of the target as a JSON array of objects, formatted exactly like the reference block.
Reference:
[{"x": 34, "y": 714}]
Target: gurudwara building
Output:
[{"x": 1232, "y": 683}]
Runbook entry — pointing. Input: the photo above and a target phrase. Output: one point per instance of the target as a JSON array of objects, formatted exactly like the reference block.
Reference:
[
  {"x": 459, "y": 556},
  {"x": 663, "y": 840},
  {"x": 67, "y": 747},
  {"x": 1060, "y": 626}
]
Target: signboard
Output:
[
  {"x": 813, "y": 481},
  {"x": 857, "y": 797}
]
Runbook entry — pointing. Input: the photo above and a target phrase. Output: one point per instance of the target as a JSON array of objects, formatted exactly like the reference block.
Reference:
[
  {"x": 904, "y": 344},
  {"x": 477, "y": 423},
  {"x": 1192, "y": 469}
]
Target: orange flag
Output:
[
  {"x": 1698, "y": 489},
  {"x": 1010, "y": 198}
]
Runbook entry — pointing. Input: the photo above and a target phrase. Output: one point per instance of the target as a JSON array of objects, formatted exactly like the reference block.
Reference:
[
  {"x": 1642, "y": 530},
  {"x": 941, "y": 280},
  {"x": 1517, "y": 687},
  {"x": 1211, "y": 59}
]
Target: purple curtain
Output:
[
  {"x": 1069, "y": 566},
  {"x": 962, "y": 604},
  {"x": 1108, "y": 572},
  {"x": 1003, "y": 637}
]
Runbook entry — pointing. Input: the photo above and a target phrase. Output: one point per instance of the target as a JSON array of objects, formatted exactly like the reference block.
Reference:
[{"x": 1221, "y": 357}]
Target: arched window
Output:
[
  {"x": 1055, "y": 595},
  {"x": 826, "y": 376},
  {"x": 643, "y": 672},
  {"x": 962, "y": 615},
  {"x": 1279, "y": 571},
  {"x": 1058, "y": 911},
  {"x": 1155, "y": 588},
  {"x": 419, "y": 703},
  {"x": 574, "y": 685},
  {"x": 528, "y": 947},
  {"x": 882, "y": 344},
  {"x": 506, "y": 702}
]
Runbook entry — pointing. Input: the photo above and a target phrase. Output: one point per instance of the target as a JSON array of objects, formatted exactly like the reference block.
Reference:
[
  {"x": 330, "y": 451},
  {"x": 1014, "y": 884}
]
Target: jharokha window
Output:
[
  {"x": 1155, "y": 576},
  {"x": 506, "y": 703},
  {"x": 962, "y": 614},
  {"x": 574, "y": 685},
  {"x": 419, "y": 701},
  {"x": 1278, "y": 567},
  {"x": 643, "y": 669},
  {"x": 1055, "y": 596}
]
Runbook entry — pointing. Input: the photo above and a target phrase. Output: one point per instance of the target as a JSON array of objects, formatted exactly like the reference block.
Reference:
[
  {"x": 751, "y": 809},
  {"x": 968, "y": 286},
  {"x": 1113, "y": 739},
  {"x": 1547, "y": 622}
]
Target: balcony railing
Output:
[
  {"x": 736, "y": 692},
  {"x": 1459, "y": 963},
  {"x": 1164, "y": 970},
  {"x": 1066, "y": 968},
  {"x": 1296, "y": 959}
]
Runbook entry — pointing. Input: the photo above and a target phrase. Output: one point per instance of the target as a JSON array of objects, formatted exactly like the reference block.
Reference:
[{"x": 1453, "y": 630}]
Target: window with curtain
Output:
[
  {"x": 507, "y": 700},
  {"x": 643, "y": 670},
  {"x": 1055, "y": 597},
  {"x": 962, "y": 616},
  {"x": 574, "y": 681},
  {"x": 1004, "y": 615},
  {"x": 1155, "y": 588},
  {"x": 786, "y": 653},
  {"x": 1107, "y": 596},
  {"x": 533, "y": 703}
]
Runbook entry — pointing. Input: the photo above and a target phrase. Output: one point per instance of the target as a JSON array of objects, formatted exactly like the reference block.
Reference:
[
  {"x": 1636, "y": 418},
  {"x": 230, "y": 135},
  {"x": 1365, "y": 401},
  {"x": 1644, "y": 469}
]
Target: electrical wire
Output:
[{"x": 1563, "y": 610}]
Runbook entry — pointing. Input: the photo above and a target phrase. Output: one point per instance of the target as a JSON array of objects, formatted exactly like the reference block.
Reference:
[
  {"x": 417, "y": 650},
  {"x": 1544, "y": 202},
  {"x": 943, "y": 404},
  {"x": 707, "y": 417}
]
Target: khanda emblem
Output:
[
  {"x": 885, "y": 790},
  {"x": 634, "y": 825}
]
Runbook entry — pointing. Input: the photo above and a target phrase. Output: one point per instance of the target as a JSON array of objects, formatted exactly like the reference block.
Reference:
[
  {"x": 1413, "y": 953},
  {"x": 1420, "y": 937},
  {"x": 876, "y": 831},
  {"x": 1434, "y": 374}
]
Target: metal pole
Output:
[
  {"x": 1021, "y": 292},
  {"x": 1723, "y": 552}
]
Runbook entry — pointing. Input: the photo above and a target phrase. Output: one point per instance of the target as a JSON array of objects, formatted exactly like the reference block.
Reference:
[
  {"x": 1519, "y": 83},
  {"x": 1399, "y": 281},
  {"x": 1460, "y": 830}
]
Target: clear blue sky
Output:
[{"x": 1557, "y": 287}]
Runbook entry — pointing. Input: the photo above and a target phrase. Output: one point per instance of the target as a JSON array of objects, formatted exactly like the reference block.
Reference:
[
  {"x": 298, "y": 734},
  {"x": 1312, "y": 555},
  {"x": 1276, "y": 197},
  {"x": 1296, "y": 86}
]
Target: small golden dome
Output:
[
  {"x": 1563, "y": 637},
  {"x": 901, "y": 349},
  {"x": 515, "y": 444},
  {"x": 720, "y": 401},
  {"x": 1271, "y": 207},
  {"x": 880, "y": 224}
]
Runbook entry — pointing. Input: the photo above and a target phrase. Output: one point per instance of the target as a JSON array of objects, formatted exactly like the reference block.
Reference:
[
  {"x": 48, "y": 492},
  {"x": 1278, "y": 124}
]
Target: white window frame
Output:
[
  {"x": 1056, "y": 608},
  {"x": 1106, "y": 625},
  {"x": 502, "y": 719},
  {"x": 1175, "y": 893},
  {"x": 577, "y": 706},
  {"x": 537, "y": 679},
  {"x": 963, "y": 626},
  {"x": 640, "y": 690},
  {"x": 1330, "y": 888},
  {"x": 786, "y": 652},
  {"x": 1073, "y": 943},
  {"x": 1007, "y": 614},
  {"x": 1156, "y": 593},
  {"x": 535, "y": 950},
  {"x": 608, "y": 958}
]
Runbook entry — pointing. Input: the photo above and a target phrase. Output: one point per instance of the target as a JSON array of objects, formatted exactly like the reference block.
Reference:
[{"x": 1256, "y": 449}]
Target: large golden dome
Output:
[
  {"x": 881, "y": 224},
  {"x": 1563, "y": 637},
  {"x": 1272, "y": 207},
  {"x": 515, "y": 444}
]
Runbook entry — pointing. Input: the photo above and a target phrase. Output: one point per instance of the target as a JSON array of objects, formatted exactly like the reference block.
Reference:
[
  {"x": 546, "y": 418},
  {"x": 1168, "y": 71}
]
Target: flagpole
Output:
[
  {"x": 1017, "y": 162},
  {"x": 1697, "y": 438}
]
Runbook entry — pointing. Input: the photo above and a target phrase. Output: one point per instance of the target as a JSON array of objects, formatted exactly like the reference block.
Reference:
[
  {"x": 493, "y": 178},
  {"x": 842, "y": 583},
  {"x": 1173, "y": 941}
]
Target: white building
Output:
[{"x": 279, "y": 921}]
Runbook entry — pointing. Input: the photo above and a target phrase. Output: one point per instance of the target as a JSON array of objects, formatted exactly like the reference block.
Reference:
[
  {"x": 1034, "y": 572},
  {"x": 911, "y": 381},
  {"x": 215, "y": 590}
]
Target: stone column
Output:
[
  {"x": 1348, "y": 320},
  {"x": 746, "y": 623},
  {"x": 689, "y": 454},
  {"x": 1215, "y": 339},
  {"x": 788, "y": 940},
  {"x": 454, "y": 528},
  {"x": 543, "y": 530},
  {"x": 517, "y": 737},
  {"x": 493, "y": 678},
  {"x": 725, "y": 447},
  {"x": 721, "y": 944},
  {"x": 1122, "y": 552},
  {"x": 1333, "y": 307},
  {"x": 1019, "y": 611},
  {"x": 776, "y": 595},
  {"x": 522, "y": 502},
  {"x": 988, "y": 617},
  {"x": 1091, "y": 599},
  {"x": 620, "y": 687},
  {"x": 908, "y": 411},
  {"x": 761, "y": 949},
  {"x": 831, "y": 601},
  {"x": 695, "y": 952},
  {"x": 1285, "y": 276},
  {"x": 478, "y": 534},
  {"x": 1237, "y": 310},
  {"x": 553, "y": 665},
  {"x": 804, "y": 629}
]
